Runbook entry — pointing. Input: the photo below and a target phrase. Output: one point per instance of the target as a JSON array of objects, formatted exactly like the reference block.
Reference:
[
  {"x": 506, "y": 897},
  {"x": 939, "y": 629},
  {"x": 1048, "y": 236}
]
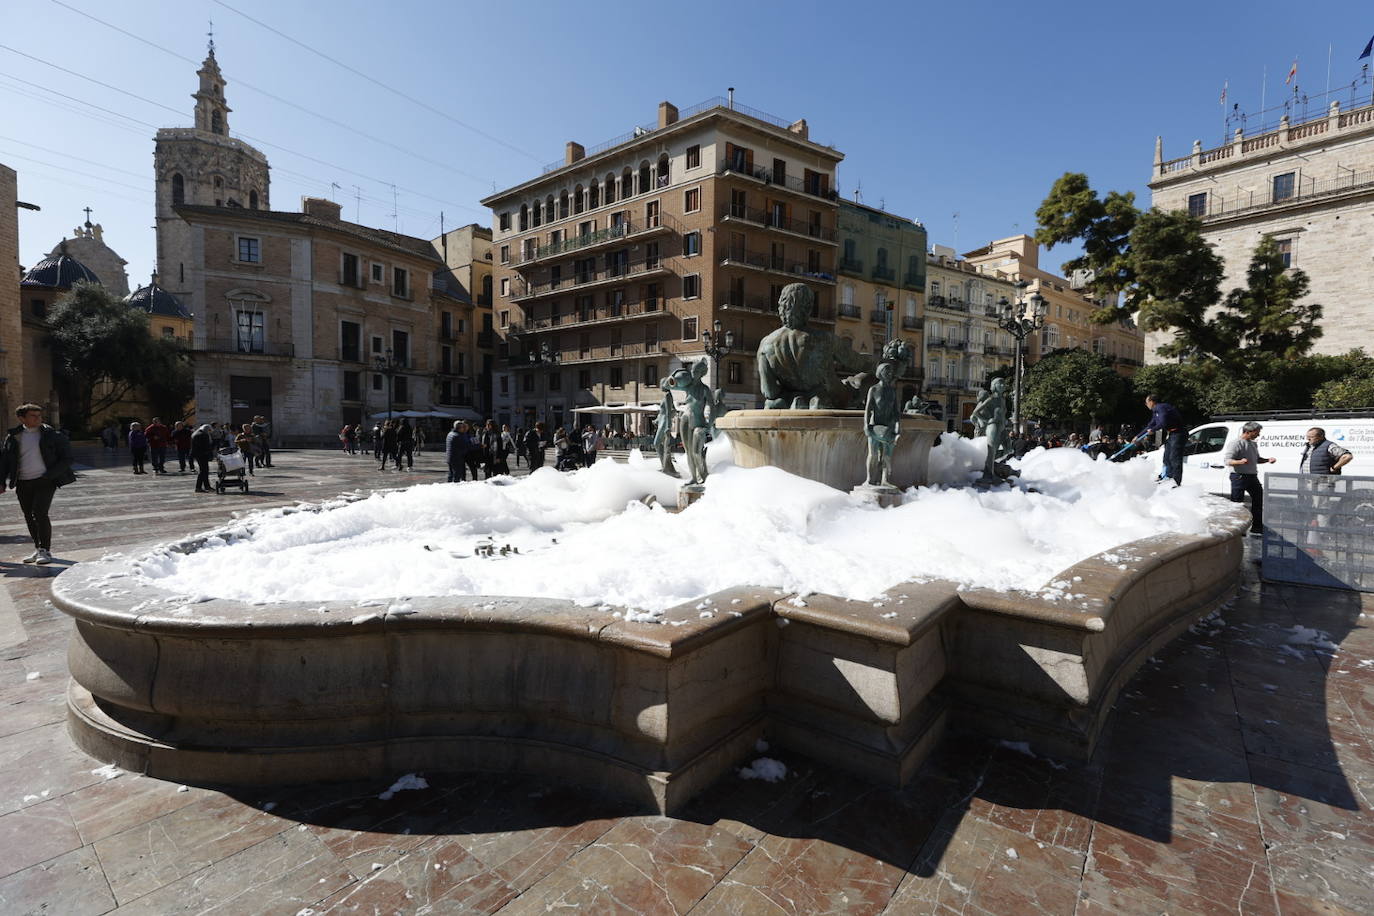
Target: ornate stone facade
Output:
[
  {"x": 201, "y": 166},
  {"x": 88, "y": 246}
]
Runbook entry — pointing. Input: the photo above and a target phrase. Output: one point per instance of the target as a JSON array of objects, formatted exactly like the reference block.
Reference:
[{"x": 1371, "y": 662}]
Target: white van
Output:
[{"x": 1283, "y": 437}]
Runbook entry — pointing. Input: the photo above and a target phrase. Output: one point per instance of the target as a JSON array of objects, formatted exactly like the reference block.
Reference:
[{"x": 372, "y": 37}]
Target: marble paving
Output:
[{"x": 1236, "y": 777}]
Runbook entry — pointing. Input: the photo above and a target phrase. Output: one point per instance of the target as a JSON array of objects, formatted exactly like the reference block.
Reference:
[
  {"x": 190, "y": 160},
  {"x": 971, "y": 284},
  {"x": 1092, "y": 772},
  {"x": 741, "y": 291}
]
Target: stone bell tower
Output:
[{"x": 201, "y": 166}]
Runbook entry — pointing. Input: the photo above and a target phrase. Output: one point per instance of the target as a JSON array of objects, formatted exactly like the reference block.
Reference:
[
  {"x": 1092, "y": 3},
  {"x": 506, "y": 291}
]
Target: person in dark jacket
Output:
[
  {"x": 494, "y": 447},
  {"x": 138, "y": 447},
  {"x": 1167, "y": 419},
  {"x": 34, "y": 461},
  {"x": 262, "y": 433},
  {"x": 534, "y": 446},
  {"x": 201, "y": 450},
  {"x": 181, "y": 438},
  {"x": 456, "y": 447},
  {"x": 389, "y": 440},
  {"x": 405, "y": 445}
]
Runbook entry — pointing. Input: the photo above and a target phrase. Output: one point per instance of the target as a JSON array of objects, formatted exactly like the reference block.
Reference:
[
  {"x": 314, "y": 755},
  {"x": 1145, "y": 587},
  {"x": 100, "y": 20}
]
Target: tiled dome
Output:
[
  {"x": 62, "y": 272},
  {"x": 155, "y": 300}
]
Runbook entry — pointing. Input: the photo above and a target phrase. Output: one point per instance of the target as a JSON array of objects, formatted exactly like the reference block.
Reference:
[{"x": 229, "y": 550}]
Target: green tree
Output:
[
  {"x": 1178, "y": 280},
  {"x": 100, "y": 344},
  {"x": 1263, "y": 322},
  {"x": 1072, "y": 385},
  {"x": 1073, "y": 213},
  {"x": 1349, "y": 393}
]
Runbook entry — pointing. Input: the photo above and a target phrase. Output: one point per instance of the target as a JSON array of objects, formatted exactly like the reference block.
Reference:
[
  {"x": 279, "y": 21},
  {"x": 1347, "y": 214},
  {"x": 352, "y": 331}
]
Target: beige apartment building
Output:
[
  {"x": 466, "y": 372},
  {"x": 1310, "y": 185},
  {"x": 963, "y": 344},
  {"x": 296, "y": 308},
  {"x": 1068, "y": 318},
  {"x": 612, "y": 266},
  {"x": 881, "y": 284}
]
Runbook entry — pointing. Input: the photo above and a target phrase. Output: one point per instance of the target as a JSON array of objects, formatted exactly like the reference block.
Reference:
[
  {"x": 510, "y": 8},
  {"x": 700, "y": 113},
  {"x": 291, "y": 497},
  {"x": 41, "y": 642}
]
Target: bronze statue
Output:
[
  {"x": 797, "y": 366},
  {"x": 664, "y": 440},
  {"x": 694, "y": 425},
  {"x": 990, "y": 418},
  {"x": 881, "y": 424}
]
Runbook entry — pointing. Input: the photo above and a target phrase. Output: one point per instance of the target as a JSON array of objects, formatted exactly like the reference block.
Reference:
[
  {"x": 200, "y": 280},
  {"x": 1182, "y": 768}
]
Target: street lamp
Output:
[
  {"x": 1020, "y": 323},
  {"x": 718, "y": 344},
  {"x": 387, "y": 365},
  {"x": 539, "y": 358}
]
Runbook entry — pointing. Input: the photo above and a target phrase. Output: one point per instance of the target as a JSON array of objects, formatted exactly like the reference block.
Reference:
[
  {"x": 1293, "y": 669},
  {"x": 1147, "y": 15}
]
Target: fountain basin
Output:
[
  {"x": 217, "y": 692},
  {"x": 829, "y": 446}
]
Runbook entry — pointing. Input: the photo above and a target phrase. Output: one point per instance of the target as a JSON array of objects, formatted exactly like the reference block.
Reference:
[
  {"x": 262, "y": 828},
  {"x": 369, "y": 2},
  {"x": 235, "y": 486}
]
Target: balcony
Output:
[
  {"x": 446, "y": 333},
  {"x": 760, "y": 305},
  {"x": 912, "y": 323},
  {"x": 914, "y": 280},
  {"x": 951, "y": 305},
  {"x": 243, "y": 348},
  {"x": 593, "y": 241},
  {"x": 350, "y": 355},
  {"x": 648, "y": 308},
  {"x": 878, "y": 316},
  {"x": 768, "y": 220},
  {"x": 850, "y": 311},
  {"x": 814, "y": 188},
  {"x": 615, "y": 273},
  {"x": 599, "y": 354},
  {"x": 884, "y": 274},
  {"x": 733, "y": 256},
  {"x": 852, "y": 265}
]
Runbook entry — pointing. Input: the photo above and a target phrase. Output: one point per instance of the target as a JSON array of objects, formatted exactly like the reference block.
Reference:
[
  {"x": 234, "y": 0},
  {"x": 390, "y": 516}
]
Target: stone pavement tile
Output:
[
  {"x": 1332, "y": 879},
  {"x": 1276, "y": 708},
  {"x": 41, "y": 760},
  {"x": 114, "y": 805},
  {"x": 154, "y": 853},
  {"x": 643, "y": 865},
  {"x": 1358, "y": 697},
  {"x": 1182, "y": 872},
  {"x": 68, "y": 885},
  {"x": 31, "y": 704},
  {"x": 1273, "y": 670},
  {"x": 751, "y": 808},
  {"x": 1051, "y": 803},
  {"x": 802, "y": 875},
  {"x": 972, "y": 865},
  {"x": 1302, "y": 905},
  {"x": 35, "y": 834},
  {"x": 439, "y": 876},
  {"x": 1303, "y": 828},
  {"x": 282, "y": 874},
  {"x": 1316, "y": 743}
]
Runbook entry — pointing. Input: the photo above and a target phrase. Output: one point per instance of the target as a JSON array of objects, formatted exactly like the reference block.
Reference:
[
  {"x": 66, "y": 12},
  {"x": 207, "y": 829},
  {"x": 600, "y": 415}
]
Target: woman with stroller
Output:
[
  {"x": 138, "y": 446},
  {"x": 245, "y": 441}
]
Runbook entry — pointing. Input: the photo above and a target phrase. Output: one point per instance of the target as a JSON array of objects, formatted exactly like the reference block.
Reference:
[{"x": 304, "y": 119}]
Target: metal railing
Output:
[
  {"x": 762, "y": 306},
  {"x": 625, "y": 230},
  {"x": 594, "y": 315},
  {"x": 733, "y": 254},
  {"x": 853, "y": 265},
  {"x": 884, "y": 273},
  {"x": 619, "y": 270},
  {"x": 913, "y": 322},
  {"x": 850, "y": 311},
  {"x": 878, "y": 316},
  {"x": 814, "y": 187},
  {"x": 1307, "y": 189},
  {"x": 941, "y": 302},
  {"x": 243, "y": 347},
  {"x": 773, "y": 221}
]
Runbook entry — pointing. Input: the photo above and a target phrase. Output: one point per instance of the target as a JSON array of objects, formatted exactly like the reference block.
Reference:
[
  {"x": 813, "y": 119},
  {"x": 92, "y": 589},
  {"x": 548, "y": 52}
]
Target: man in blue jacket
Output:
[
  {"x": 456, "y": 448},
  {"x": 1165, "y": 417},
  {"x": 34, "y": 461}
]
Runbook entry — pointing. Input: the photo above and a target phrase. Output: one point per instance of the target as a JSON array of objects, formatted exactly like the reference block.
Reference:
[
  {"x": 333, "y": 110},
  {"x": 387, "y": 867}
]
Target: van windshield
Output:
[{"x": 1206, "y": 440}]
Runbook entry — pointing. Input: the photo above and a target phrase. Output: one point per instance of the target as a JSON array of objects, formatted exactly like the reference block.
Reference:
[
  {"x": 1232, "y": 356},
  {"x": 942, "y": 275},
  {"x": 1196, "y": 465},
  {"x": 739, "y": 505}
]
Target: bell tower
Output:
[{"x": 212, "y": 114}]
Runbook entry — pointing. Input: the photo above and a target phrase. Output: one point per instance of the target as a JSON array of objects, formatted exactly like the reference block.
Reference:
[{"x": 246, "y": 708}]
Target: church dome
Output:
[
  {"x": 155, "y": 300},
  {"x": 61, "y": 271}
]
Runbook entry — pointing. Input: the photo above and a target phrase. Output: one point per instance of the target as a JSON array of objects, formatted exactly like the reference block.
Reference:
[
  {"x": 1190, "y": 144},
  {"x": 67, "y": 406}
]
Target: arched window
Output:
[
  {"x": 610, "y": 187},
  {"x": 524, "y": 217},
  {"x": 538, "y": 213},
  {"x": 933, "y": 330},
  {"x": 593, "y": 195},
  {"x": 486, "y": 289},
  {"x": 847, "y": 294},
  {"x": 253, "y": 199},
  {"x": 178, "y": 189},
  {"x": 563, "y": 205},
  {"x": 219, "y": 182},
  {"x": 216, "y": 122},
  {"x": 644, "y": 185},
  {"x": 549, "y": 210},
  {"x": 663, "y": 171},
  {"x": 627, "y": 183},
  {"x": 579, "y": 199}
]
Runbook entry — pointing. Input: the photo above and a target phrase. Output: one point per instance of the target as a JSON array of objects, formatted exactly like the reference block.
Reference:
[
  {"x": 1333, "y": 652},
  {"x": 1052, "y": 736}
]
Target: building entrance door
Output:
[{"x": 249, "y": 396}]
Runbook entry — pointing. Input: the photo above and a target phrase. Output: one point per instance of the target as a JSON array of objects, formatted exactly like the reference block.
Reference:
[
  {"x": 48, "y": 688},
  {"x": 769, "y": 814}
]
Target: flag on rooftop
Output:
[
  {"x": 1368, "y": 49},
  {"x": 1292, "y": 72},
  {"x": 1224, "y": 87}
]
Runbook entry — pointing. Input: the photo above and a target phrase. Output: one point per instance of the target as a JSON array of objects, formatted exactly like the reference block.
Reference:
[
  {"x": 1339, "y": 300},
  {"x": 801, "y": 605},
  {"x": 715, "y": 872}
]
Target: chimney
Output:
[
  {"x": 573, "y": 152},
  {"x": 320, "y": 208},
  {"x": 667, "y": 114},
  {"x": 800, "y": 129}
]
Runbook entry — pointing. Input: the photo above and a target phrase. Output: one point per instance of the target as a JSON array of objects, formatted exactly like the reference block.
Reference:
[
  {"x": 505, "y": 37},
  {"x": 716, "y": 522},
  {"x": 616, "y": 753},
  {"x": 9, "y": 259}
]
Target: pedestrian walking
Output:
[
  {"x": 592, "y": 442},
  {"x": 244, "y": 441},
  {"x": 405, "y": 445},
  {"x": 181, "y": 440},
  {"x": 34, "y": 461},
  {"x": 159, "y": 437},
  {"x": 138, "y": 447},
  {"x": 494, "y": 449},
  {"x": 508, "y": 442},
  {"x": 109, "y": 437},
  {"x": 1242, "y": 456},
  {"x": 219, "y": 436},
  {"x": 201, "y": 451},
  {"x": 377, "y": 441},
  {"x": 419, "y": 438},
  {"x": 457, "y": 444},
  {"x": 389, "y": 452},
  {"x": 352, "y": 439},
  {"x": 262, "y": 433},
  {"x": 534, "y": 446},
  {"x": 1167, "y": 419}
]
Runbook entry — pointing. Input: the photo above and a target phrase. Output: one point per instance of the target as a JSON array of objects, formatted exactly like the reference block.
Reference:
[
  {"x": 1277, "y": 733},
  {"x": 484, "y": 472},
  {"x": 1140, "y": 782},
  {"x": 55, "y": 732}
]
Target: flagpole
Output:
[
  {"x": 1264, "y": 87},
  {"x": 1328, "y": 71}
]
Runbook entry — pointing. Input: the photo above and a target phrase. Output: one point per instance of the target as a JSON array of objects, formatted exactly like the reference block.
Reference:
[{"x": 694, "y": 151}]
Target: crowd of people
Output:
[{"x": 195, "y": 447}]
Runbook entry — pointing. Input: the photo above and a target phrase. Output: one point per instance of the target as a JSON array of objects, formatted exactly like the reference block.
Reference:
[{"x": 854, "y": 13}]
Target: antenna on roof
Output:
[
  {"x": 395, "y": 223},
  {"x": 211, "y": 34},
  {"x": 956, "y": 233},
  {"x": 858, "y": 192},
  {"x": 357, "y": 204},
  {"x": 334, "y": 186}
]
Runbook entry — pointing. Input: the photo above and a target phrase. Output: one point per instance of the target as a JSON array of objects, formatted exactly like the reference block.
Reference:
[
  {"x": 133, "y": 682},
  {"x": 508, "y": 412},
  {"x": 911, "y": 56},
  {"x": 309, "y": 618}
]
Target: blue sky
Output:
[{"x": 940, "y": 109}]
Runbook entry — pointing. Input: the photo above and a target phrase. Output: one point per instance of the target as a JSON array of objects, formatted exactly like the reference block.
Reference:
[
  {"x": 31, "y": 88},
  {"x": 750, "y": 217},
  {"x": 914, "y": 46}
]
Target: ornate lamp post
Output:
[
  {"x": 1020, "y": 322},
  {"x": 388, "y": 366},
  {"x": 718, "y": 344}
]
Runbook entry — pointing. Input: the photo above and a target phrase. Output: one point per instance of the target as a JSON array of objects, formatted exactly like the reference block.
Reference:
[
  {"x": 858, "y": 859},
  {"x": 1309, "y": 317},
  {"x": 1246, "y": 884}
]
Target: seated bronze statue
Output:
[{"x": 801, "y": 369}]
